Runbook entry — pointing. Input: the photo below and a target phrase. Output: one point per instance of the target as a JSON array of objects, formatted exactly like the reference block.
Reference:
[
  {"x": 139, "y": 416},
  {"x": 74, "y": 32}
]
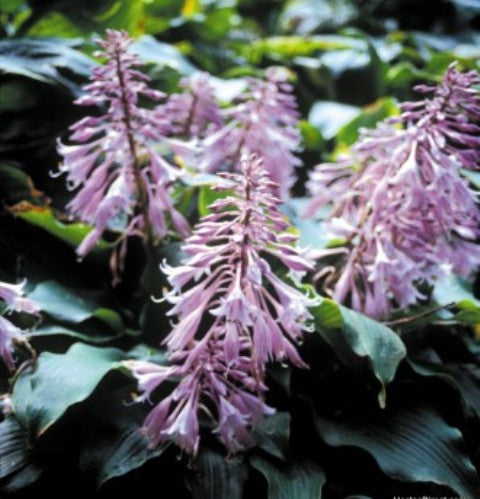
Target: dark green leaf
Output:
[
  {"x": 464, "y": 378},
  {"x": 17, "y": 467},
  {"x": 114, "y": 443},
  {"x": 411, "y": 445},
  {"x": 40, "y": 397},
  {"x": 354, "y": 335},
  {"x": 14, "y": 454},
  {"x": 273, "y": 434},
  {"x": 217, "y": 477},
  {"x": 302, "y": 480},
  {"x": 15, "y": 184},
  {"x": 66, "y": 305},
  {"x": 56, "y": 330}
]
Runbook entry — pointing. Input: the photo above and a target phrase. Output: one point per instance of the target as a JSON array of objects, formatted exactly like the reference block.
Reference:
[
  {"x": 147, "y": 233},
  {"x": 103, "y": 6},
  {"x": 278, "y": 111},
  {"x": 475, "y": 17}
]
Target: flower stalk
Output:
[{"x": 234, "y": 316}]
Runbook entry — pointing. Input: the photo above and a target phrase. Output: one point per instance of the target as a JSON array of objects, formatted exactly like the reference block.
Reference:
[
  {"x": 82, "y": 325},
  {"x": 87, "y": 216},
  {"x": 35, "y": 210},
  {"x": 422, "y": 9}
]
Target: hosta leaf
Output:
[
  {"x": 216, "y": 477},
  {"x": 330, "y": 117},
  {"x": 464, "y": 378},
  {"x": 17, "y": 468},
  {"x": 353, "y": 335},
  {"x": 309, "y": 229},
  {"x": 472, "y": 176},
  {"x": 207, "y": 196},
  {"x": 301, "y": 480},
  {"x": 414, "y": 445},
  {"x": 46, "y": 60},
  {"x": 56, "y": 330},
  {"x": 308, "y": 16},
  {"x": 454, "y": 289},
  {"x": 273, "y": 434},
  {"x": 289, "y": 47},
  {"x": 162, "y": 54},
  {"x": 13, "y": 447},
  {"x": 72, "y": 233},
  {"x": 40, "y": 397},
  {"x": 368, "y": 117},
  {"x": 114, "y": 444},
  {"x": 131, "y": 451},
  {"x": 15, "y": 184},
  {"x": 64, "y": 304}
]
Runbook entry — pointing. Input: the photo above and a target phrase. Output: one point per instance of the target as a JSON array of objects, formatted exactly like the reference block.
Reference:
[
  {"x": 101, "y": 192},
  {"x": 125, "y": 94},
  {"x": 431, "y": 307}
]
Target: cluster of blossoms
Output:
[
  {"x": 194, "y": 114},
  {"x": 263, "y": 121},
  {"x": 400, "y": 200},
  {"x": 122, "y": 179},
  {"x": 13, "y": 299},
  {"x": 248, "y": 316}
]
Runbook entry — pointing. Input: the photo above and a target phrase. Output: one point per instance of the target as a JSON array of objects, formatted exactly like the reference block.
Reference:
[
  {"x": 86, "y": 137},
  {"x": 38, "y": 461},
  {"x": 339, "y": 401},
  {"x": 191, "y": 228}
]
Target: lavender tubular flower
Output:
[
  {"x": 401, "y": 202},
  {"x": 265, "y": 123},
  {"x": 12, "y": 296},
  {"x": 251, "y": 317},
  {"x": 194, "y": 113},
  {"x": 118, "y": 173}
]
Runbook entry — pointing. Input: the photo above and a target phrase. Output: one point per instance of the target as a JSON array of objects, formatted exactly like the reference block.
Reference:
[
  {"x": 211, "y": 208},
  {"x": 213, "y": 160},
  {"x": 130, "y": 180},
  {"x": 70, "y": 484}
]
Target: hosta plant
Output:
[
  {"x": 407, "y": 214},
  {"x": 214, "y": 369}
]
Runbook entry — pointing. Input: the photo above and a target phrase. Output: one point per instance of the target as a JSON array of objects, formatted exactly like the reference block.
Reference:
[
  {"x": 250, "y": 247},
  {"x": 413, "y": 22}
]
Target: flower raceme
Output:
[
  {"x": 12, "y": 297},
  {"x": 234, "y": 316},
  {"x": 194, "y": 113},
  {"x": 401, "y": 202},
  {"x": 120, "y": 176},
  {"x": 264, "y": 122}
]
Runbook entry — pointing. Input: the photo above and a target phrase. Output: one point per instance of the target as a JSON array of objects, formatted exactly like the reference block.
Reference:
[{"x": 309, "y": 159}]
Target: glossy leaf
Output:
[
  {"x": 43, "y": 217},
  {"x": 354, "y": 336},
  {"x": 414, "y": 445},
  {"x": 301, "y": 480},
  {"x": 41, "y": 396},
  {"x": 66, "y": 305},
  {"x": 45, "y": 60}
]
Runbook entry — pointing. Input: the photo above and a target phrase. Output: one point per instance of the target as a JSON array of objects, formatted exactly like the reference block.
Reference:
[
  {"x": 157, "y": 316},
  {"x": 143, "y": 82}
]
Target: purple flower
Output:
[
  {"x": 401, "y": 203},
  {"x": 251, "y": 317},
  {"x": 120, "y": 177},
  {"x": 12, "y": 296},
  {"x": 195, "y": 113},
  {"x": 264, "y": 122}
]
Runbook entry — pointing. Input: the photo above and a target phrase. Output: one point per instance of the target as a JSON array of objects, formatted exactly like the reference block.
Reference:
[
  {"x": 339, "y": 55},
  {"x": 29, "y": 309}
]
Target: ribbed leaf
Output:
[
  {"x": 273, "y": 434},
  {"x": 216, "y": 477},
  {"x": 17, "y": 469},
  {"x": 464, "y": 378},
  {"x": 13, "y": 447},
  {"x": 353, "y": 335},
  {"x": 414, "y": 445},
  {"x": 59, "y": 381},
  {"x": 302, "y": 480}
]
